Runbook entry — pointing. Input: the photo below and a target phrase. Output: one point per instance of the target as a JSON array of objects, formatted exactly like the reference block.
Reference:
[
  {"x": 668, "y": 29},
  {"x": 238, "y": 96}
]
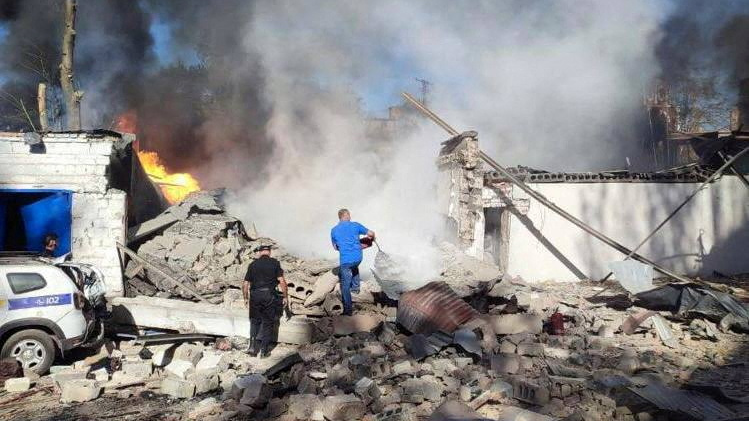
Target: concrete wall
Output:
[
  {"x": 79, "y": 163},
  {"x": 459, "y": 191},
  {"x": 710, "y": 234}
]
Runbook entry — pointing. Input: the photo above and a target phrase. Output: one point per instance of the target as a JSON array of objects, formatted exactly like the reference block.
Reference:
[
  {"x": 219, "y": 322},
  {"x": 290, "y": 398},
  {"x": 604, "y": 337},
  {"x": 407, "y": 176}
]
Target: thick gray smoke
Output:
[
  {"x": 553, "y": 86},
  {"x": 277, "y": 100}
]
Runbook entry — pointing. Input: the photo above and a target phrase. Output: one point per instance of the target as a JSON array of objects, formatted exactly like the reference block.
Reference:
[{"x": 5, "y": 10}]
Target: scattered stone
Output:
[
  {"x": 317, "y": 375},
  {"x": 255, "y": 392},
  {"x": 204, "y": 408},
  {"x": 302, "y": 406},
  {"x": 100, "y": 375},
  {"x": 18, "y": 384},
  {"x": 137, "y": 368},
  {"x": 343, "y": 408},
  {"x": 205, "y": 380},
  {"x": 62, "y": 377},
  {"x": 79, "y": 390},
  {"x": 428, "y": 387},
  {"x": 505, "y": 363},
  {"x": 530, "y": 392},
  {"x": 162, "y": 354},
  {"x": 188, "y": 352},
  {"x": 212, "y": 361},
  {"x": 179, "y": 368},
  {"x": 403, "y": 367},
  {"x": 178, "y": 388},
  {"x": 454, "y": 410},
  {"x": 531, "y": 349},
  {"x": 508, "y": 324}
]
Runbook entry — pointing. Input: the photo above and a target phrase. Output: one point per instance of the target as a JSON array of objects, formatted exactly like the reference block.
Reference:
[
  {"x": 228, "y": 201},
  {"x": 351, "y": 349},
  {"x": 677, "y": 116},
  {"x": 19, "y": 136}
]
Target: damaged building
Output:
[
  {"x": 78, "y": 186},
  {"x": 494, "y": 220}
]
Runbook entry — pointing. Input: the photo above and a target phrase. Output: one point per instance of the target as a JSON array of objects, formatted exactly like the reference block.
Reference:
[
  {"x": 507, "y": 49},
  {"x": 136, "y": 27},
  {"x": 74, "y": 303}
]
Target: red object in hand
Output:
[
  {"x": 366, "y": 242},
  {"x": 557, "y": 323}
]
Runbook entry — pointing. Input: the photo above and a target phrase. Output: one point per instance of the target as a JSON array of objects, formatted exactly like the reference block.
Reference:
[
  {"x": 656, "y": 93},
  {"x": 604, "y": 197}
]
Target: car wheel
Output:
[{"x": 33, "y": 348}]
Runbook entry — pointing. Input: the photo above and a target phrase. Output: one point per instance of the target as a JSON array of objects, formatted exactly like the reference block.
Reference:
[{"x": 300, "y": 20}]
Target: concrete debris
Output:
[
  {"x": 179, "y": 369},
  {"x": 197, "y": 243},
  {"x": 510, "y": 324},
  {"x": 79, "y": 390},
  {"x": 19, "y": 384},
  {"x": 364, "y": 367},
  {"x": 178, "y": 388},
  {"x": 343, "y": 408},
  {"x": 454, "y": 411}
]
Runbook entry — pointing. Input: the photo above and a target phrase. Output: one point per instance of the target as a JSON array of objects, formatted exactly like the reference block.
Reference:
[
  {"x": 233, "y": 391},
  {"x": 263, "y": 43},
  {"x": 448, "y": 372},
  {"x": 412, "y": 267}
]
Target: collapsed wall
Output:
[
  {"x": 72, "y": 165},
  {"x": 202, "y": 247},
  {"x": 459, "y": 190}
]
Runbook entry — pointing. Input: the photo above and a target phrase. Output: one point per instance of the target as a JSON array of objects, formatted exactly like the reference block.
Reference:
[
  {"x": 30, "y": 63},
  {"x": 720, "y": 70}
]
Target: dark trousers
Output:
[
  {"x": 265, "y": 312},
  {"x": 350, "y": 281}
]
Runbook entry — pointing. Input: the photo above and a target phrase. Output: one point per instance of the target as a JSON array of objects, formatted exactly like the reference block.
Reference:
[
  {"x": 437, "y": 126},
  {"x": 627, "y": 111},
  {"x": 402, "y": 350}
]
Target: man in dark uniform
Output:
[{"x": 263, "y": 277}]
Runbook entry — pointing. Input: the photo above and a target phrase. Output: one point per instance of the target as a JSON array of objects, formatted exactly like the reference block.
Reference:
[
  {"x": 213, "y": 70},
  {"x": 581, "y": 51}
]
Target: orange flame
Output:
[{"x": 174, "y": 186}]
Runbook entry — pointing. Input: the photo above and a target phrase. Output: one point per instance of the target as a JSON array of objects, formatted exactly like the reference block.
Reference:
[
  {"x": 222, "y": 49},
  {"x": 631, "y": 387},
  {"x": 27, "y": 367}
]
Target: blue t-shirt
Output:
[{"x": 345, "y": 236}]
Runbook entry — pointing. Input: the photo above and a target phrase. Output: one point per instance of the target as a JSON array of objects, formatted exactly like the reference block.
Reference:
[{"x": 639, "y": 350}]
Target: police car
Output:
[{"x": 47, "y": 308}]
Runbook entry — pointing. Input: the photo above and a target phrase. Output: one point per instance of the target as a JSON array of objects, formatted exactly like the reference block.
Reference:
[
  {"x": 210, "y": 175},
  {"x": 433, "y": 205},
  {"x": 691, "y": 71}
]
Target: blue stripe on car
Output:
[{"x": 41, "y": 301}]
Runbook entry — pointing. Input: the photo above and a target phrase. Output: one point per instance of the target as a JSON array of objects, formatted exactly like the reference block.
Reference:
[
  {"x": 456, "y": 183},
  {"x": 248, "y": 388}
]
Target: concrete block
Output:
[
  {"x": 179, "y": 369},
  {"x": 530, "y": 392},
  {"x": 531, "y": 349},
  {"x": 62, "y": 377},
  {"x": 178, "y": 388},
  {"x": 343, "y": 408},
  {"x": 79, "y": 391},
  {"x": 505, "y": 363},
  {"x": 256, "y": 392},
  {"x": 403, "y": 367},
  {"x": 509, "y": 324},
  {"x": 162, "y": 354},
  {"x": 205, "y": 380},
  {"x": 213, "y": 361},
  {"x": 18, "y": 384},
  {"x": 427, "y": 386},
  {"x": 140, "y": 369},
  {"x": 205, "y": 408},
  {"x": 301, "y": 407},
  {"x": 226, "y": 378},
  {"x": 367, "y": 389}
]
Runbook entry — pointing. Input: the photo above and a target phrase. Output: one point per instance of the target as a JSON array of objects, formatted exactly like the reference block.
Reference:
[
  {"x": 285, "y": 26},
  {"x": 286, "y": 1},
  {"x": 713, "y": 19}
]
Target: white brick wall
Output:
[{"x": 75, "y": 162}]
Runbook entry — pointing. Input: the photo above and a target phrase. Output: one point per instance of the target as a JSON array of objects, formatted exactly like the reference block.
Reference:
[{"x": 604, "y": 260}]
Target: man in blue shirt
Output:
[{"x": 346, "y": 239}]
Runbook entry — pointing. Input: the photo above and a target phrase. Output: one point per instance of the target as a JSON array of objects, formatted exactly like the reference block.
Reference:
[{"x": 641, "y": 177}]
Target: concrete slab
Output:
[{"x": 190, "y": 317}]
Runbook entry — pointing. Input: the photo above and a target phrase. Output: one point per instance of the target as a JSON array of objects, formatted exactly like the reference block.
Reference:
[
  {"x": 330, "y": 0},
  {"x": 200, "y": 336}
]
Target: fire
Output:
[{"x": 174, "y": 186}]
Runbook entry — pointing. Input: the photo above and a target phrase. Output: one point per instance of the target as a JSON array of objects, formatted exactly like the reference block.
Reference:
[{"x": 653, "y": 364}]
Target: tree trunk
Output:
[
  {"x": 72, "y": 97},
  {"x": 41, "y": 99}
]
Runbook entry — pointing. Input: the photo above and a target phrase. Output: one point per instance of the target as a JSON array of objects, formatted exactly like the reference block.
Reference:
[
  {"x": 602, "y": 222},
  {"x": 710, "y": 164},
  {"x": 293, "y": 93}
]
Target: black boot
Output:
[
  {"x": 253, "y": 349},
  {"x": 265, "y": 351}
]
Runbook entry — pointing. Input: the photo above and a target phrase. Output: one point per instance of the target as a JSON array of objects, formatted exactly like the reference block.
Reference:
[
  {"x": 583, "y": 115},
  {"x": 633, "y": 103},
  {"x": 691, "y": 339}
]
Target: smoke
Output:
[
  {"x": 273, "y": 98},
  {"x": 547, "y": 85}
]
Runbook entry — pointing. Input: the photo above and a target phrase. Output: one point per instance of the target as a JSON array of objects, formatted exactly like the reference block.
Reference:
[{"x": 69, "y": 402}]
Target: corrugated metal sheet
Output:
[
  {"x": 433, "y": 307},
  {"x": 687, "y": 402}
]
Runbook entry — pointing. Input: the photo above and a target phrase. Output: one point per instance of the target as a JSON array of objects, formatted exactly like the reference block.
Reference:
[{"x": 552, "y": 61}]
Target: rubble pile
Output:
[
  {"x": 555, "y": 355},
  {"x": 199, "y": 245}
]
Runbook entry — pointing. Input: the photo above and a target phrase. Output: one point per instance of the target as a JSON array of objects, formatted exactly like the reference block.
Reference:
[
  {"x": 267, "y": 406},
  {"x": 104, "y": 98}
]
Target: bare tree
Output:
[
  {"x": 72, "y": 96},
  {"x": 41, "y": 100}
]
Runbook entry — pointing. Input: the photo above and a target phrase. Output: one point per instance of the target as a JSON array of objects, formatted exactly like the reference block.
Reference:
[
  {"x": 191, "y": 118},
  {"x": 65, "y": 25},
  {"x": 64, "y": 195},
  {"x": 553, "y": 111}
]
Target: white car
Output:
[{"x": 47, "y": 309}]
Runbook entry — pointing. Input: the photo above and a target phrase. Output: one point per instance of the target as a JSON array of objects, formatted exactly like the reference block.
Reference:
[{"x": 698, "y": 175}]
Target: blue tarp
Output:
[{"x": 39, "y": 212}]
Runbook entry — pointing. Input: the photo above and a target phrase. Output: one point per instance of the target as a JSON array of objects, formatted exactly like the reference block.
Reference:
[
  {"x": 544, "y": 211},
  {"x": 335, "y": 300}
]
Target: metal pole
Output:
[
  {"x": 735, "y": 171},
  {"x": 544, "y": 201}
]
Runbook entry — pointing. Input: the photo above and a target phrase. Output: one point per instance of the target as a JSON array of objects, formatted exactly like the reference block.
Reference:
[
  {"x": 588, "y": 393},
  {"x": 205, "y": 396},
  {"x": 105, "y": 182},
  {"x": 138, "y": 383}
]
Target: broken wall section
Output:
[
  {"x": 79, "y": 163},
  {"x": 459, "y": 190}
]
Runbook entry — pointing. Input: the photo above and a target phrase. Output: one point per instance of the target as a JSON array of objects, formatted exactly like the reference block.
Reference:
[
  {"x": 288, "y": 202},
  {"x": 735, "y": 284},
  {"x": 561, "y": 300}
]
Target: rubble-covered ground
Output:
[{"x": 363, "y": 367}]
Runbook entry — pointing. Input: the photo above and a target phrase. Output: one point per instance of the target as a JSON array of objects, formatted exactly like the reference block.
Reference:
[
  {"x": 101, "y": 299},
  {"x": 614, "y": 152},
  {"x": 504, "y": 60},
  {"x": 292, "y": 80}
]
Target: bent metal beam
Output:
[{"x": 544, "y": 201}]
